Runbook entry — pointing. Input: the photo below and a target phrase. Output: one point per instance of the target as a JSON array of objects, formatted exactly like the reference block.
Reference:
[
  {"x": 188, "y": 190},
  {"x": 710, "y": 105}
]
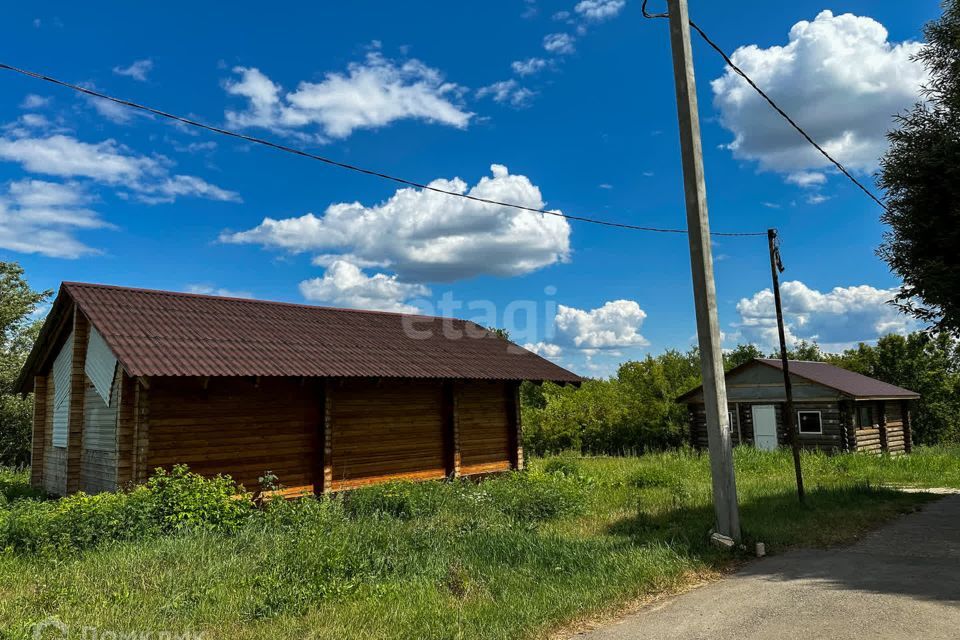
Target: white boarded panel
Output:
[
  {"x": 101, "y": 365},
  {"x": 61, "y": 392},
  {"x": 99, "y": 422}
]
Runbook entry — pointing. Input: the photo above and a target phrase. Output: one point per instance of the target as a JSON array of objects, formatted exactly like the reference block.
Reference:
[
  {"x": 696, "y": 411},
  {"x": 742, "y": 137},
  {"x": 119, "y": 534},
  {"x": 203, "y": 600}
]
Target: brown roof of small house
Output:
[
  {"x": 850, "y": 383},
  {"x": 843, "y": 380},
  {"x": 164, "y": 333}
]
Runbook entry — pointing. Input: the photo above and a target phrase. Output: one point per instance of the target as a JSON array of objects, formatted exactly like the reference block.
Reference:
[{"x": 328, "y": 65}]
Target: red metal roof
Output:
[{"x": 163, "y": 333}]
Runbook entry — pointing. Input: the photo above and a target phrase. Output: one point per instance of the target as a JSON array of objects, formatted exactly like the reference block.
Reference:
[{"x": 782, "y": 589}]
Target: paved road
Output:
[{"x": 901, "y": 581}]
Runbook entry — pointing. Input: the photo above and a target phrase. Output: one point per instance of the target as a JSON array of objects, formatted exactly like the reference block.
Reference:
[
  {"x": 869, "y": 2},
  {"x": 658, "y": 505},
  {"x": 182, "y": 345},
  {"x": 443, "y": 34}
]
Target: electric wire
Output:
[
  {"x": 740, "y": 72},
  {"x": 350, "y": 167}
]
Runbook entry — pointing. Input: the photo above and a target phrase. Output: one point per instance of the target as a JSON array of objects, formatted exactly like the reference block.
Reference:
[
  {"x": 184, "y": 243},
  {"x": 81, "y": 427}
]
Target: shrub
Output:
[
  {"x": 170, "y": 502},
  {"x": 181, "y": 500},
  {"x": 15, "y": 485}
]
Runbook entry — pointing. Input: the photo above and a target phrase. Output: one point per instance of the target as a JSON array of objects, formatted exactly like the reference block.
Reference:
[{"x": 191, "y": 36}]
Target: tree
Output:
[
  {"x": 925, "y": 363},
  {"x": 803, "y": 350},
  {"x": 18, "y": 330},
  {"x": 921, "y": 176},
  {"x": 741, "y": 354}
]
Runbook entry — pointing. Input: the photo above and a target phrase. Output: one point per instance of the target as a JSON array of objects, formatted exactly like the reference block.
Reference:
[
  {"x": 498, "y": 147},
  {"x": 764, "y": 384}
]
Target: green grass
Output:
[{"x": 517, "y": 556}]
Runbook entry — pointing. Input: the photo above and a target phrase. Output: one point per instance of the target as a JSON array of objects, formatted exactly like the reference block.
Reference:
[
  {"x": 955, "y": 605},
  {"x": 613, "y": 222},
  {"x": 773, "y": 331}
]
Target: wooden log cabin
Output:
[
  {"x": 836, "y": 409},
  {"x": 129, "y": 380}
]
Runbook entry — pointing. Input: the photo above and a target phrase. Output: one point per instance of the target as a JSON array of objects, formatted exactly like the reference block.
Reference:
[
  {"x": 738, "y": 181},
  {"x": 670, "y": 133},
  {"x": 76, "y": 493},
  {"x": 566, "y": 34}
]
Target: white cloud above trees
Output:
[
  {"x": 614, "y": 325},
  {"x": 836, "y": 319},
  {"x": 839, "y": 77},
  {"x": 370, "y": 94}
]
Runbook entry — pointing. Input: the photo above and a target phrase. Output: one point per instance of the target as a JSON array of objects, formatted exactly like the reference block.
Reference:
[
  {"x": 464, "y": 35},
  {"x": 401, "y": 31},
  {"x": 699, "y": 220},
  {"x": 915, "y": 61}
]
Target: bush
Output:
[
  {"x": 170, "y": 502},
  {"x": 15, "y": 485}
]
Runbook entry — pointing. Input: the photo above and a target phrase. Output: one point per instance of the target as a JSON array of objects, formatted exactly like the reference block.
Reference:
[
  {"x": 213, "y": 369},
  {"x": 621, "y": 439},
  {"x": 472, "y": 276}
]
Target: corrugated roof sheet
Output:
[
  {"x": 163, "y": 333},
  {"x": 843, "y": 380}
]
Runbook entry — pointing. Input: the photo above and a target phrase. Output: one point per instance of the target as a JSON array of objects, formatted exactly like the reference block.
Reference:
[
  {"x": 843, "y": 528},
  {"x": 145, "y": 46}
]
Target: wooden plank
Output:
[
  {"x": 907, "y": 426},
  {"x": 514, "y": 433},
  {"x": 882, "y": 423},
  {"x": 141, "y": 431},
  {"x": 328, "y": 427},
  {"x": 39, "y": 430},
  {"x": 81, "y": 329}
]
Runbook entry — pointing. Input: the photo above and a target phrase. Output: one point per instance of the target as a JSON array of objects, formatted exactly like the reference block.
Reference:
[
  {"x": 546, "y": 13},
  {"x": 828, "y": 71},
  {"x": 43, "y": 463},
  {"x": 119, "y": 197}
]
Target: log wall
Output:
[
  {"x": 832, "y": 437},
  {"x": 234, "y": 426},
  {"x": 485, "y": 423},
  {"x": 386, "y": 430}
]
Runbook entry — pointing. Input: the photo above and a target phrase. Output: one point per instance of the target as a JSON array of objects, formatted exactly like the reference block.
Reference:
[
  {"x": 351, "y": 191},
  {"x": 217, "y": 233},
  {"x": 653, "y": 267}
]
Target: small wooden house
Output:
[
  {"x": 836, "y": 409},
  {"x": 128, "y": 380}
]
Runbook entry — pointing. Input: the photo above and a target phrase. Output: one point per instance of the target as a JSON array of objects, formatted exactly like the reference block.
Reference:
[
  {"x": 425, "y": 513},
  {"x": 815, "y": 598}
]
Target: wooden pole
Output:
[
  {"x": 704, "y": 290},
  {"x": 788, "y": 419}
]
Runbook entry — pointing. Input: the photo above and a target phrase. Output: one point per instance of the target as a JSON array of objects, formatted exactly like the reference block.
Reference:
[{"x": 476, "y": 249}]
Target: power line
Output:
[
  {"x": 740, "y": 72},
  {"x": 344, "y": 165}
]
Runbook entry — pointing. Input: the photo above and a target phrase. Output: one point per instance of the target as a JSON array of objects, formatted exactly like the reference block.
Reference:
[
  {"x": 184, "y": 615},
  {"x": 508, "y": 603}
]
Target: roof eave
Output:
[{"x": 52, "y": 325}]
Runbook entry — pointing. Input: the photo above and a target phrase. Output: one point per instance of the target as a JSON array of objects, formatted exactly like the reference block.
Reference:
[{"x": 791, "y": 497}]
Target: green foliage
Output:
[
  {"x": 633, "y": 412},
  {"x": 399, "y": 499},
  {"x": 15, "y": 485},
  {"x": 921, "y": 176},
  {"x": 518, "y": 555},
  {"x": 536, "y": 496},
  {"x": 739, "y": 355},
  {"x": 927, "y": 364},
  {"x": 17, "y": 333},
  {"x": 169, "y": 503}
]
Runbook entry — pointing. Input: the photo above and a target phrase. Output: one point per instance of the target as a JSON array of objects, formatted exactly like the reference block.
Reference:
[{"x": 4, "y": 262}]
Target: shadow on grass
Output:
[{"x": 916, "y": 556}]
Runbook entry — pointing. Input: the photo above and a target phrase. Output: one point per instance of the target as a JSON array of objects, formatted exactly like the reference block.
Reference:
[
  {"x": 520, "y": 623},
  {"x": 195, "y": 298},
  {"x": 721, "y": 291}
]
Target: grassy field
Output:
[{"x": 518, "y": 556}]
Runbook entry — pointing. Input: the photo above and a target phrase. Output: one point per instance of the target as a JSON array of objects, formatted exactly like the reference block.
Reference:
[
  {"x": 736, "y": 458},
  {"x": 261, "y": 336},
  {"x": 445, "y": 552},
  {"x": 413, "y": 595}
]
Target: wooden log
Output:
[
  {"x": 882, "y": 423},
  {"x": 39, "y": 431},
  {"x": 326, "y": 485},
  {"x": 78, "y": 386}
]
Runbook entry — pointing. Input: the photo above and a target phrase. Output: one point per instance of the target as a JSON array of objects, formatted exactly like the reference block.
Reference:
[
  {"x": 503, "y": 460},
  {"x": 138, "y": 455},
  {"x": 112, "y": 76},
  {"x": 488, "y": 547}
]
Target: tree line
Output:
[{"x": 635, "y": 410}]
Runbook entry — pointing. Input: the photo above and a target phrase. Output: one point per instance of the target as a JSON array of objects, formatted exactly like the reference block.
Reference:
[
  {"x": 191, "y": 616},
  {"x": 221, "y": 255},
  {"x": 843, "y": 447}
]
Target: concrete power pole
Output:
[{"x": 704, "y": 290}]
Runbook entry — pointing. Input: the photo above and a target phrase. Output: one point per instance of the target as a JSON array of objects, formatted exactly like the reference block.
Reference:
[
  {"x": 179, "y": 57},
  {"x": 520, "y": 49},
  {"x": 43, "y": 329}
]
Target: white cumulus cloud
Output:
[
  {"x": 837, "y": 319},
  {"x": 371, "y": 94},
  {"x": 109, "y": 163},
  {"x": 43, "y": 217},
  {"x": 344, "y": 285},
  {"x": 614, "y": 325},
  {"x": 424, "y": 236},
  {"x": 838, "y": 76},
  {"x": 598, "y": 10}
]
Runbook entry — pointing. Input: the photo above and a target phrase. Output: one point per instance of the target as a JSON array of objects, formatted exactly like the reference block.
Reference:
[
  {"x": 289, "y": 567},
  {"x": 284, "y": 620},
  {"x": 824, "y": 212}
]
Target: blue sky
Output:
[{"x": 569, "y": 104}]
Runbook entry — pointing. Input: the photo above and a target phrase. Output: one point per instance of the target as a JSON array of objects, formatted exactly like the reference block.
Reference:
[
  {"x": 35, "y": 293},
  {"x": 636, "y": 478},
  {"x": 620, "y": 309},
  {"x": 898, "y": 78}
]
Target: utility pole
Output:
[
  {"x": 704, "y": 289},
  {"x": 776, "y": 267}
]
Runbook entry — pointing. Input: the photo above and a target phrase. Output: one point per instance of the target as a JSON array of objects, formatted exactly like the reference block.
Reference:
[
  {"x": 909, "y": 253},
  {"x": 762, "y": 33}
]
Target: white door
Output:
[{"x": 765, "y": 427}]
